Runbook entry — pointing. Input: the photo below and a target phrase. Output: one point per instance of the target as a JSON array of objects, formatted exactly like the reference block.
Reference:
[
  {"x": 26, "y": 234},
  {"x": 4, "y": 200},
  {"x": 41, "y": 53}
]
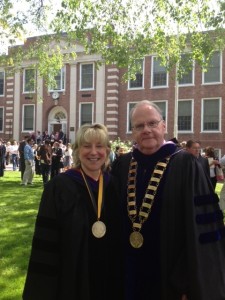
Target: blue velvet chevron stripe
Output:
[
  {"x": 215, "y": 217},
  {"x": 212, "y": 236},
  {"x": 206, "y": 199},
  {"x": 209, "y": 217}
]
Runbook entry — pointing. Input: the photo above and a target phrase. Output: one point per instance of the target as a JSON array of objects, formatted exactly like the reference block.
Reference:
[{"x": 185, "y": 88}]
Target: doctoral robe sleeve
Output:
[{"x": 43, "y": 270}]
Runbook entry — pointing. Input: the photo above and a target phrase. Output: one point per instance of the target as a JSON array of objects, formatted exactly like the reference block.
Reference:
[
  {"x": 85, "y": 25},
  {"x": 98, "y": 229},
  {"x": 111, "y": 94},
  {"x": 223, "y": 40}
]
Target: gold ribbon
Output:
[{"x": 100, "y": 193}]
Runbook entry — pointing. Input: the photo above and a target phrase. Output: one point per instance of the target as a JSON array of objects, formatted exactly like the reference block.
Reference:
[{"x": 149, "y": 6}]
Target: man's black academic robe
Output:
[{"x": 184, "y": 236}]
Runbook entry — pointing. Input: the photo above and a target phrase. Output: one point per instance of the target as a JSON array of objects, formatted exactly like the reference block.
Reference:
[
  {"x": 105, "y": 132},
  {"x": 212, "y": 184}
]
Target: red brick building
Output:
[{"x": 87, "y": 94}]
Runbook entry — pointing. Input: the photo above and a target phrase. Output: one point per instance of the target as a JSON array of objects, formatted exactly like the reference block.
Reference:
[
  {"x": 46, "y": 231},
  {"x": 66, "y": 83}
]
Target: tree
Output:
[
  {"x": 123, "y": 31},
  {"x": 126, "y": 30},
  {"x": 19, "y": 20}
]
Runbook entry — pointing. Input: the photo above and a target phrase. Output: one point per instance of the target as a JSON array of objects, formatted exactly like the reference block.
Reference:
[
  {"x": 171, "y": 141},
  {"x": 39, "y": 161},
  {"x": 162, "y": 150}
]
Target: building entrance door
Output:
[{"x": 57, "y": 127}]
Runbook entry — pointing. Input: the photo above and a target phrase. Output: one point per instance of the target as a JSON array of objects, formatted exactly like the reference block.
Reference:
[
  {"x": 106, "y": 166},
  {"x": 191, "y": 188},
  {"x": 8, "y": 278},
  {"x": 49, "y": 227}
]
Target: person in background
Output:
[
  {"x": 45, "y": 135},
  {"x": 194, "y": 147},
  {"x": 8, "y": 153},
  {"x": 213, "y": 162},
  {"x": 22, "y": 165},
  {"x": 14, "y": 155},
  {"x": 68, "y": 158},
  {"x": 29, "y": 163},
  {"x": 2, "y": 157},
  {"x": 56, "y": 159},
  {"x": 37, "y": 162},
  {"x": 174, "y": 235},
  {"x": 183, "y": 144},
  {"x": 77, "y": 245},
  {"x": 38, "y": 138},
  {"x": 45, "y": 154},
  {"x": 61, "y": 135}
]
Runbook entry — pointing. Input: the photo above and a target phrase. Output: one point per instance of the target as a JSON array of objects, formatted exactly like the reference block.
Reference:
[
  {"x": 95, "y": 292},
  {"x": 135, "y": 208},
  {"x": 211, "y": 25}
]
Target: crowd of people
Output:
[
  {"x": 45, "y": 155},
  {"x": 148, "y": 227}
]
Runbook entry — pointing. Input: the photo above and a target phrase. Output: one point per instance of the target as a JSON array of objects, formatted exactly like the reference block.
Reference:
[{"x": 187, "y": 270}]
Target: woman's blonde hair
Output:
[{"x": 88, "y": 133}]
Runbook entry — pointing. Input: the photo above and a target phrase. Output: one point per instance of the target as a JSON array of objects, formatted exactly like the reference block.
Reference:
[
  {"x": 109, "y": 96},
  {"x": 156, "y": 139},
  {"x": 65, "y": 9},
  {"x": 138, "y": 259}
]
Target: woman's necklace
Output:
[
  {"x": 98, "y": 228},
  {"x": 138, "y": 218}
]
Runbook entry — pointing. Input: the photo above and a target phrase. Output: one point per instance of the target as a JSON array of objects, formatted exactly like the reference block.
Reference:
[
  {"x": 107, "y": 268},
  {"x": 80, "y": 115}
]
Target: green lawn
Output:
[{"x": 18, "y": 209}]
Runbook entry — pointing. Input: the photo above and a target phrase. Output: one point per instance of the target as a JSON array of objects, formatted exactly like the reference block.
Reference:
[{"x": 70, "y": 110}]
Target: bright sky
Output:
[{"x": 21, "y": 8}]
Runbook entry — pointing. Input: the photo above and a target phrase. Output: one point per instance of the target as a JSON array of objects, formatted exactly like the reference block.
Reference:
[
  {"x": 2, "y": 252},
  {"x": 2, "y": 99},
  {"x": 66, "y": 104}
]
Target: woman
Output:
[
  {"x": 68, "y": 159},
  {"x": 213, "y": 162},
  {"x": 57, "y": 155},
  {"x": 76, "y": 251},
  {"x": 14, "y": 155}
]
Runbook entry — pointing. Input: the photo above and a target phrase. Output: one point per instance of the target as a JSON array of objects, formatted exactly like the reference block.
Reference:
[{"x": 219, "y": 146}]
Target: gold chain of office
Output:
[{"x": 149, "y": 197}]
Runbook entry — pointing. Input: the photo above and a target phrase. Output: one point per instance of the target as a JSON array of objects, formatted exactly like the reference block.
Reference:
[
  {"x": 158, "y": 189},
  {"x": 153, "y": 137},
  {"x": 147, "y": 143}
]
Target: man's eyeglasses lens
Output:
[{"x": 152, "y": 124}]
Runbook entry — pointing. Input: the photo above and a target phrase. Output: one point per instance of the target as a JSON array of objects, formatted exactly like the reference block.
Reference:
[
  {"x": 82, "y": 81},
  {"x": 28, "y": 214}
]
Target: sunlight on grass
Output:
[{"x": 18, "y": 209}]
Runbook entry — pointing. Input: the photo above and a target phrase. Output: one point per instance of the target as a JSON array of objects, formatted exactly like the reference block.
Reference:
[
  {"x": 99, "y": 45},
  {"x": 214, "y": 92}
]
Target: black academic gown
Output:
[
  {"x": 184, "y": 236},
  {"x": 2, "y": 159},
  {"x": 67, "y": 262}
]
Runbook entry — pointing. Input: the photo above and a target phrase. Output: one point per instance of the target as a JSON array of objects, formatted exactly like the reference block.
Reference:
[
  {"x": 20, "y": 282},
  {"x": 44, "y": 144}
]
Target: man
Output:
[
  {"x": 194, "y": 147},
  {"x": 22, "y": 166},
  {"x": 29, "y": 163},
  {"x": 173, "y": 227}
]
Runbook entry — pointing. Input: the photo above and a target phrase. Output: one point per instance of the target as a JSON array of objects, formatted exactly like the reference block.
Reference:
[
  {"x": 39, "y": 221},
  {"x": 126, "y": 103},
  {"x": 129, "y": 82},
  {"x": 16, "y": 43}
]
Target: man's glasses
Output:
[{"x": 141, "y": 127}]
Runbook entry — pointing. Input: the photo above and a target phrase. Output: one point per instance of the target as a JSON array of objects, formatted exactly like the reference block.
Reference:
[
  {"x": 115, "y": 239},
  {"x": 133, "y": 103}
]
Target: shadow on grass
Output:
[{"x": 18, "y": 210}]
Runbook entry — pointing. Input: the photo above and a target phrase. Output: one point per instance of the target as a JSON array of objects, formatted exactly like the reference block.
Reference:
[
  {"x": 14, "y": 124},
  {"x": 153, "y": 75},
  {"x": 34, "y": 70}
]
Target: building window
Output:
[
  {"x": 59, "y": 81},
  {"x": 129, "y": 108},
  {"x": 1, "y": 118},
  {"x": 2, "y": 83},
  {"x": 28, "y": 118},
  {"x": 86, "y": 113},
  {"x": 159, "y": 73},
  {"x": 138, "y": 81},
  {"x": 29, "y": 80},
  {"x": 185, "y": 115},
  {"x": 87, "y": 76},
  {"x": 187, "y": 70},
  {"x": 163, "y": 107},
  {"x": 213, "y": 73},
  {"x": 211, "y": 115}
]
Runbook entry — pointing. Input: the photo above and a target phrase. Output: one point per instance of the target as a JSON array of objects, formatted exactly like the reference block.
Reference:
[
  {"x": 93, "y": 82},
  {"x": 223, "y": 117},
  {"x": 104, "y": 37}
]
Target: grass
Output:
[{"x": 18, "y": 209}]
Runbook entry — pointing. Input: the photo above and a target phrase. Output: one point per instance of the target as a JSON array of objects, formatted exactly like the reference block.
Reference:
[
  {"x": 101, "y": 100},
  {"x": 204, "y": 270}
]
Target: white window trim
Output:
[
  {"x": 143, "y": 76},
  {"x": 128, "y": 115},
  {"x": 23, "y": 130},
  {"x": 167, "y": 76},
  {"x": 193, "y": 78},
  {"x": 28, "y": 92},
  {"x": 93, "y": 77},
  {"x": 2, "y": 95},
  {"x": 166, "y": 110},
  {"x": 192, "y": 117},
  {"x": 3, "y": 114},
  {"x": 214, "y": 82},
  {"x": 62, "y": 80},
  {"x": 202, "y": 105},
  {"x": 92, "y": 114}
]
